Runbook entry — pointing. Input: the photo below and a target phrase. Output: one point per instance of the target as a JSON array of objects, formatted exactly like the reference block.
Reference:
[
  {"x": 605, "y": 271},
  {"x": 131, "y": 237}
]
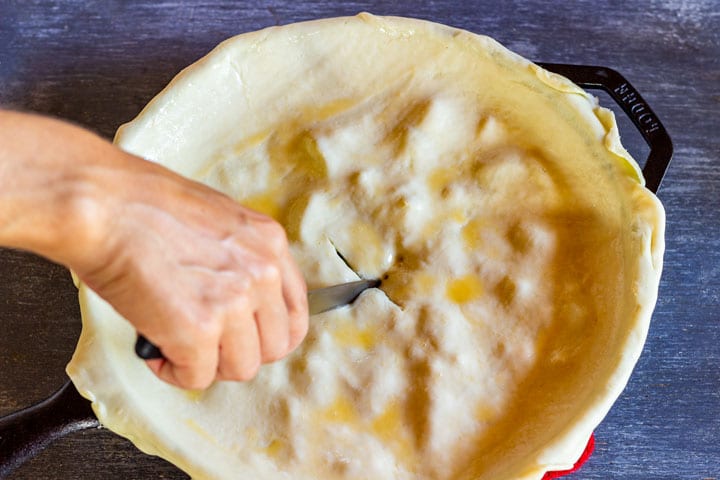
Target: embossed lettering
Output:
[
  {"x": 626, "y": 95},
  {"x": 638, "y": 109},
  {"x": 648, "y": 122},
  {"x": 621, "y": 89},
  {"x": 629, "y": 98}
]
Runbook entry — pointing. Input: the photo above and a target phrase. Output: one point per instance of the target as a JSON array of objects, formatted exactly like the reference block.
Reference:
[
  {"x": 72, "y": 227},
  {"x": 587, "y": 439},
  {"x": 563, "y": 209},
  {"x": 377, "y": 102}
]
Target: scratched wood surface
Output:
[{"x": 98, "y": 62}]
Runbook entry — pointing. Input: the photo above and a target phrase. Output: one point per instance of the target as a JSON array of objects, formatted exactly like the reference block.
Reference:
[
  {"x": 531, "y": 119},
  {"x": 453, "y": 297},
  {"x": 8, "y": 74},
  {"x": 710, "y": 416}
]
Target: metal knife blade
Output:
[
  {"x": 319, "y": 300},
  {"x": 328, "y": 298}
]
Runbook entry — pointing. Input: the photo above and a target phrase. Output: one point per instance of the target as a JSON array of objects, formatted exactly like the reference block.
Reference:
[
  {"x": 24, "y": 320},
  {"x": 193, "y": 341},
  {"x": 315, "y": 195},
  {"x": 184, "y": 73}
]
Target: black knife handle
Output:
[
  {"x": 637, "y": 109},
  {"x": 146, "y": 349},
  {"x": 26, "y": 433}
]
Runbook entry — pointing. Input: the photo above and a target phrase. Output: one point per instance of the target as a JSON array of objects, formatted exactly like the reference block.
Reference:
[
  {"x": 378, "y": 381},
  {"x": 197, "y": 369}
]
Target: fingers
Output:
[
  {"x": 294, "y": 293},
  {"x": 191, "y": 377},
  {"x": 261, "y": 334},
  {"x": 232, "y": 297},
  {"x": 191, "y": 368},
  {"x": 239, "y": 350},
  {"x": 262, "y": 323},
  {"x": 272, "y": 322},
  {"x": 293, "y": 288}
]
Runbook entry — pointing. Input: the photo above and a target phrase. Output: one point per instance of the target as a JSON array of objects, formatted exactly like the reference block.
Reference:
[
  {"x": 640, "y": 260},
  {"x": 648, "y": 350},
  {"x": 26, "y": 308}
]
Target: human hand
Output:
[{"x": 210, "y": 282}]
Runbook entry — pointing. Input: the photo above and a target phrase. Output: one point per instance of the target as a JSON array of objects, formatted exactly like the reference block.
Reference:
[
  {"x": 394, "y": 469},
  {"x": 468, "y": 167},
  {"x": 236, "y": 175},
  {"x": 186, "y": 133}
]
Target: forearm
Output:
[
  {"x": 44, "y": 193},
  {"x": 210, "y": 282}
]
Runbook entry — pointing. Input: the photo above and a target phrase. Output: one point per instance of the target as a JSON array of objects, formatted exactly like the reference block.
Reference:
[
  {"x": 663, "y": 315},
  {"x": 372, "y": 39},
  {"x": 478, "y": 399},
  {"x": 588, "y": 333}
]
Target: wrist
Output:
[{"x": 48, "y": 204}]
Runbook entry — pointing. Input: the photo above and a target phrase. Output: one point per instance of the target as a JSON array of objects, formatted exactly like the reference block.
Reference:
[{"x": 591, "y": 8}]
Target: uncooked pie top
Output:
[{"x": 519, "y": 255}]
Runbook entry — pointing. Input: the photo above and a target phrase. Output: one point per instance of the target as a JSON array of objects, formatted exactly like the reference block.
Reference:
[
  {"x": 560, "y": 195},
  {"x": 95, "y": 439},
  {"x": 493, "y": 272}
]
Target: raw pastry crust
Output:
[{"x": 520, "y": 253}]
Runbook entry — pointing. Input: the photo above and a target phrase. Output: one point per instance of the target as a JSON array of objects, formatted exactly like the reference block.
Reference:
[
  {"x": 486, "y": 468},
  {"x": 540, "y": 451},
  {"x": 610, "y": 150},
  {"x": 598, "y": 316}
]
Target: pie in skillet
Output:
[{"x": 519, "y": 251}]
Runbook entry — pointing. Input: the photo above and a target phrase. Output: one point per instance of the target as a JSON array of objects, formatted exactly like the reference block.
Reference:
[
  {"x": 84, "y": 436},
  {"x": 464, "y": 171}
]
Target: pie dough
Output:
[{"x": 519, "y": 251}]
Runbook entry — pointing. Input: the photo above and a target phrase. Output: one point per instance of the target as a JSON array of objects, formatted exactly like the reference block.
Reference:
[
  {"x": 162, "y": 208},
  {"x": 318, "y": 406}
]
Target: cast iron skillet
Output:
[{"x": 26, "y": 433}]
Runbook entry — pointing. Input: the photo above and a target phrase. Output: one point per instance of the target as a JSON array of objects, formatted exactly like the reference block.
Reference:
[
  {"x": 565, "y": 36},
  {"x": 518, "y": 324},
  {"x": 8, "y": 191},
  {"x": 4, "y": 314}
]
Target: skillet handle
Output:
[
  {"x": 26, "y": 433},
  {"x": 628, "y": 98}
]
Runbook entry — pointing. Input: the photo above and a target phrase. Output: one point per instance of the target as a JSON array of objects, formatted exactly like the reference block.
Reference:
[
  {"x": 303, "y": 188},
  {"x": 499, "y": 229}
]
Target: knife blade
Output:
[
  {"x": 324, "y": 299},
  {"x": 319, "y": 300}
]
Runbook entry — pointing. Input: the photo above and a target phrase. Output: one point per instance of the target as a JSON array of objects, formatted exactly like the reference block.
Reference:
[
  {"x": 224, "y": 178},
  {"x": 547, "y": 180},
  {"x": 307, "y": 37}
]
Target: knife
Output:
[{"x": 319, "y": 301}]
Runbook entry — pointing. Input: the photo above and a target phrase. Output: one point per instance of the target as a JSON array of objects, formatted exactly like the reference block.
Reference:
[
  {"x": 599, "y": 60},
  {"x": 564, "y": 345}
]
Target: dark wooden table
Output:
[{"x": 98, "y": 62}]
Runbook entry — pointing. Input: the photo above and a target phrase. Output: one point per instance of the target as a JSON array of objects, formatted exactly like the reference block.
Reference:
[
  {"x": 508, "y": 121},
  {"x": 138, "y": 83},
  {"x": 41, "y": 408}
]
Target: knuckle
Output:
[
  {"x": 268, "y": 273},
  {"x": 206, "y": 322},
  {"x": 276, "y": 349},
  {"x": 199, "y": 384},
  {"x": 193, "y": 364},
  {"x": 195, "y": 379},
  {"x": 196, "y": 321},
  {"x": 247, "y": 371},
  {"x": 299, "y": 325},
  {"x": 276, "y": 236}
]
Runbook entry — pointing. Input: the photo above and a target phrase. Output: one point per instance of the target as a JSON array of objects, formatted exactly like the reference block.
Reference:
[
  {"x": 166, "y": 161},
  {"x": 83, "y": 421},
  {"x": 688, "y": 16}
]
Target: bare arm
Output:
[{"x": 210, "y": 282}]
